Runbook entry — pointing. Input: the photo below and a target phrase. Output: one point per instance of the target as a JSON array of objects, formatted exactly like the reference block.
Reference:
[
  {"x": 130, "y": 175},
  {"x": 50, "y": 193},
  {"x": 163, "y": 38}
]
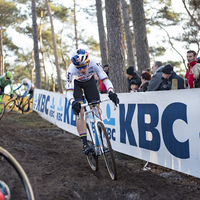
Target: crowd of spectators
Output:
[
  {"x": 164, "y": 77},
  {"x": 161, "y": 77}
]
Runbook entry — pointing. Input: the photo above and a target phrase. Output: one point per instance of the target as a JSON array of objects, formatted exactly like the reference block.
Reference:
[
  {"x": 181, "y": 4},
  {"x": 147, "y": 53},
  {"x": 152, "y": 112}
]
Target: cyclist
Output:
[
  {"x": 29, "y": 90},
  {"x": 80, "y": 77},
  {"x": 4, "y": 81}
]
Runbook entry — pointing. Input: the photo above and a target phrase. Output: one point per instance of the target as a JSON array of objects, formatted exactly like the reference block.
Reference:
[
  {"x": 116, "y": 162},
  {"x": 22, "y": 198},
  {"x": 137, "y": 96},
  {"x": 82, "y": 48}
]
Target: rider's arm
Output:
[
  {"x": 103, "y": 76},
  {"x": 70, "y": 85},
  {"x": 18, "y": 87},
  {"x": 27, "y": 90},
  {"x": 11, "y": 89}
]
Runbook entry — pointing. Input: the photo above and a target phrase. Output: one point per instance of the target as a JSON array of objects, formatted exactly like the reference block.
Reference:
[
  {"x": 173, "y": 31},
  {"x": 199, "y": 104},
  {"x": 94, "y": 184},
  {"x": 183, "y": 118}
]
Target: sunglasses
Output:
[
  {"x": 7, "y": 78},
  {"x": 83, "y": 67}
]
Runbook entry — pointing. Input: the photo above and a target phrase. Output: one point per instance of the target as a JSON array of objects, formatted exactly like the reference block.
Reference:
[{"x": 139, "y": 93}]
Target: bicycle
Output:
[
  {"x": 15, "y": 101},
  {"x": 2, "y": 107},
  {"x": 25, "y": 105},
  {"x": 15, "y": 181},
  {"x": 99, "y": 140}
]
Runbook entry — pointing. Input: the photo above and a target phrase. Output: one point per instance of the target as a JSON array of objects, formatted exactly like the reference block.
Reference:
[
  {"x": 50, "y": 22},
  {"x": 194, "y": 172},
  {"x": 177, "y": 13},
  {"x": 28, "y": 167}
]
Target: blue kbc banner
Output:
[{"x": 161, "y": 127}]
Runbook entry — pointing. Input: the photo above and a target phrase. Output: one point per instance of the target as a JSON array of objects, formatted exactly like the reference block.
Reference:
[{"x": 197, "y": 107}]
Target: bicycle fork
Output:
[{"x": 92, "y": 122}]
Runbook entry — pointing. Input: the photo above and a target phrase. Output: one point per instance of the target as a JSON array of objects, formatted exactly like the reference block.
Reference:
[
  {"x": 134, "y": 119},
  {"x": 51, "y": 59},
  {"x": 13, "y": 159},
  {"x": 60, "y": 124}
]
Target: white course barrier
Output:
[{"x": 161, "y": 127}]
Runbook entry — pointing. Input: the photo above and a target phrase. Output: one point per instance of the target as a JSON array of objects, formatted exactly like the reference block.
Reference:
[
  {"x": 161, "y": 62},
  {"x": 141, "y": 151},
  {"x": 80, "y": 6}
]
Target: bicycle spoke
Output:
[
  {"x": 91, "y": 157},
  {"x": 107, "y": 151}
]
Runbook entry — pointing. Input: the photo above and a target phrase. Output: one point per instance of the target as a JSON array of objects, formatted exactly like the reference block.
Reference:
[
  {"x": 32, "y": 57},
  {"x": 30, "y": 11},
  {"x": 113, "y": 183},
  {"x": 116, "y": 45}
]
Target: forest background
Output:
[{"x": 38, "y": 37}]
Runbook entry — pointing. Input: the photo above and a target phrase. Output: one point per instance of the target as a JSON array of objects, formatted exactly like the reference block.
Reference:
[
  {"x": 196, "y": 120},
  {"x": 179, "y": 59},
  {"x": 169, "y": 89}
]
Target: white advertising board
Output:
[{"x": 161, "y": 127}]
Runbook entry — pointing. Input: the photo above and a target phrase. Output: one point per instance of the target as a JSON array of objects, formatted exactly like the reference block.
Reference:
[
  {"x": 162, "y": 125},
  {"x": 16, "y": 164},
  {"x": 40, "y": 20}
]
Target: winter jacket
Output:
[
  {"x": 189, "y": 76},
  {"x": 155, "y": 81}
]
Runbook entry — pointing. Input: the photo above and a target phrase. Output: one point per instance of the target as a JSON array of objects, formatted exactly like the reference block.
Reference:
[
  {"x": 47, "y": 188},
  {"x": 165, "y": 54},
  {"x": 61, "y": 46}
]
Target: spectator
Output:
[
  {"x": 196, "y": 74},
  {"x": 198, "y": 60},
  {"x": 167, "y": 76},
  {"x": 156, "y": 78},
  {"x": 191, "y": 58},
  {"x": 132, "y": 75},
  {"x": 134, "y": 84},
  {"x": 145, "y": 78},
  {"x": 102, "y": 87}
]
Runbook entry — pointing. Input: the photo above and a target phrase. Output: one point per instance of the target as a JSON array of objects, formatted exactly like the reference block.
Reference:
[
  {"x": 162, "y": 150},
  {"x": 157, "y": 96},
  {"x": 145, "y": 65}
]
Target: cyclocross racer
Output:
[
  {"x": 80, "y": 77},
  {"x": 29, "y": 90},
  {"x": 4, "y": 81}
]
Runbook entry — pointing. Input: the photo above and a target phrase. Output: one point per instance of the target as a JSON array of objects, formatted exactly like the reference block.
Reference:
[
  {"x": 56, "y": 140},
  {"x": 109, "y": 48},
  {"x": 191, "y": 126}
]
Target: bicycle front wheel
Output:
[
  {"x": 2, "y": 109},
  {"x": 107, "y": 151},
  {"x": 10, "y": 105},
  {"x": 18, "y": 183},
  {"x": 92, "y": 158}
]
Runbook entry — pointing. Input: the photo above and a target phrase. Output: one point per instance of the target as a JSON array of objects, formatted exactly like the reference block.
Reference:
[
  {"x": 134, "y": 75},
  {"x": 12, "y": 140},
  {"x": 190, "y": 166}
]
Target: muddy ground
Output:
[{"x": 58, "y": 170}]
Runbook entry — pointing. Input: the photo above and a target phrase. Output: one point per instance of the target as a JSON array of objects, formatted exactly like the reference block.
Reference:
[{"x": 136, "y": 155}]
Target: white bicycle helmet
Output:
[
  {"x": 25, "y": 80},
  {"x": 80, "y": 57}
]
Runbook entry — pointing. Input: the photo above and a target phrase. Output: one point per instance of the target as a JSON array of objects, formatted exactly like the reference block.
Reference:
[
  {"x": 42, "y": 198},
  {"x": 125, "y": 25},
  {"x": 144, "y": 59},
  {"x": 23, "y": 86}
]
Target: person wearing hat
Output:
[
  {"x": 134, "y": 84},
  {"x": 132, "y": 75},
  {"x": 168, "y": 75}
]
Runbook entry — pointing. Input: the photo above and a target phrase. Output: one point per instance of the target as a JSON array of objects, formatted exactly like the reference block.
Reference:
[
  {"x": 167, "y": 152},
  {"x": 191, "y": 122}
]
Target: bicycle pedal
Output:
[{"x": 106, "y": 150}]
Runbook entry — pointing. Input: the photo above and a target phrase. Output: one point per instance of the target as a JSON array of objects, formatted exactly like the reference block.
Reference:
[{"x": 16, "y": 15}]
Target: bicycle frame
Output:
[
  {"x": 94, "y": 122},
  {"x": 100, "y": 141}
]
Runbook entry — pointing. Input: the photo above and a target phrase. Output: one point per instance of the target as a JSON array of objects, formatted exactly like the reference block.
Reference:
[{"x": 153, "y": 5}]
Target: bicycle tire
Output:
[
  {"x": 2, "y": 109},
  {"x": 10, "y": 105},
  {"x": 21, "y": 173},
  {"x": 107, "y": 151},
  {"x": 25, "y": 106},
  {"x": 92, "y": 158}
]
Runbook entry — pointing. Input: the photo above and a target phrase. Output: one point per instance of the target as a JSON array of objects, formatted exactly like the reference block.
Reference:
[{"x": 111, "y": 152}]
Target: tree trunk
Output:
[
  {"x": 129, "y": 44},
  {"x": 43, "y": 54},
  {"x": 32, "y": 69},
  {"x": 116, "y": 55},
  {"x": 141, "y": 42},
  {"x": 1, "y": 52},
  {"x": 75, "y": 24},
  {"x": 102, "y": 34},
  {"x": 36, "y": 51},
  {"x": 62, "y": 53},
  {"x": 55, "y": 49}
]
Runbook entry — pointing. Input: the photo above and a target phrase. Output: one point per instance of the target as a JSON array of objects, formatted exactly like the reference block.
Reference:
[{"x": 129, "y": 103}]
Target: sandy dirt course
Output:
[{"x": 58, "y": 170}]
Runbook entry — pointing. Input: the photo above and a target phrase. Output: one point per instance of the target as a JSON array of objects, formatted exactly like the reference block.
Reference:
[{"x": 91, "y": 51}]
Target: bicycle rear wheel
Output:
[
  {"x": 107, "y": 151},
  {"x": 2, "y": 109},
  {"x": 10, "y": 105},
  {"x": 92, "y": 158},
  {"x": 16, "y": 180},
  {"x": 25, "y": 106}
]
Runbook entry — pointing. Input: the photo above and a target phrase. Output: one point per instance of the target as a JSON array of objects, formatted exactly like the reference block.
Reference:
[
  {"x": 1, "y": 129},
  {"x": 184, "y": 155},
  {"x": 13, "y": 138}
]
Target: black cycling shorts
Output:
[
  {"x": 90, "y": 90},
  {"x": 31, "y": 93}
]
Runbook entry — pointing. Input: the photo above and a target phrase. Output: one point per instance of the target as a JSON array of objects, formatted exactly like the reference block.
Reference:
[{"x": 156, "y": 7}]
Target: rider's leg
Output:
[{"x": 81, "y": 127}]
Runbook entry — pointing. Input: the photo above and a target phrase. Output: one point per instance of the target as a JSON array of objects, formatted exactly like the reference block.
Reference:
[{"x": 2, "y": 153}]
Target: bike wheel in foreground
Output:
[
  {"x": 91, "y": 157},
  {"x": 2, "y": 109},
  {"x": 107, "y": 151},
  {"x": 10, "y": 105},
  {"x": 13, "y": 175}
]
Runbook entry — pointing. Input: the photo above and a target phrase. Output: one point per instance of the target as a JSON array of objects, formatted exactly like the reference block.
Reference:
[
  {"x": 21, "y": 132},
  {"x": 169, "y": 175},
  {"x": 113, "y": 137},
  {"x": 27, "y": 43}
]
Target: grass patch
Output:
[{"x": 32, "y": 120}]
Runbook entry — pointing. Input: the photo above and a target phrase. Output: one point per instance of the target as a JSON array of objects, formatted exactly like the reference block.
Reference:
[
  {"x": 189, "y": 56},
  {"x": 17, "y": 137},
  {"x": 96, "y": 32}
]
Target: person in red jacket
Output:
[{"x": 191, "y": 57}]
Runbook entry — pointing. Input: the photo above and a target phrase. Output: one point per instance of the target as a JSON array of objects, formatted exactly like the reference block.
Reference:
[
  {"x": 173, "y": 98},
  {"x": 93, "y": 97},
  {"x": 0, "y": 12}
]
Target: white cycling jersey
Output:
[
  {"x": 29, "y": 86},
  {"x": 74, "y": 74}
]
